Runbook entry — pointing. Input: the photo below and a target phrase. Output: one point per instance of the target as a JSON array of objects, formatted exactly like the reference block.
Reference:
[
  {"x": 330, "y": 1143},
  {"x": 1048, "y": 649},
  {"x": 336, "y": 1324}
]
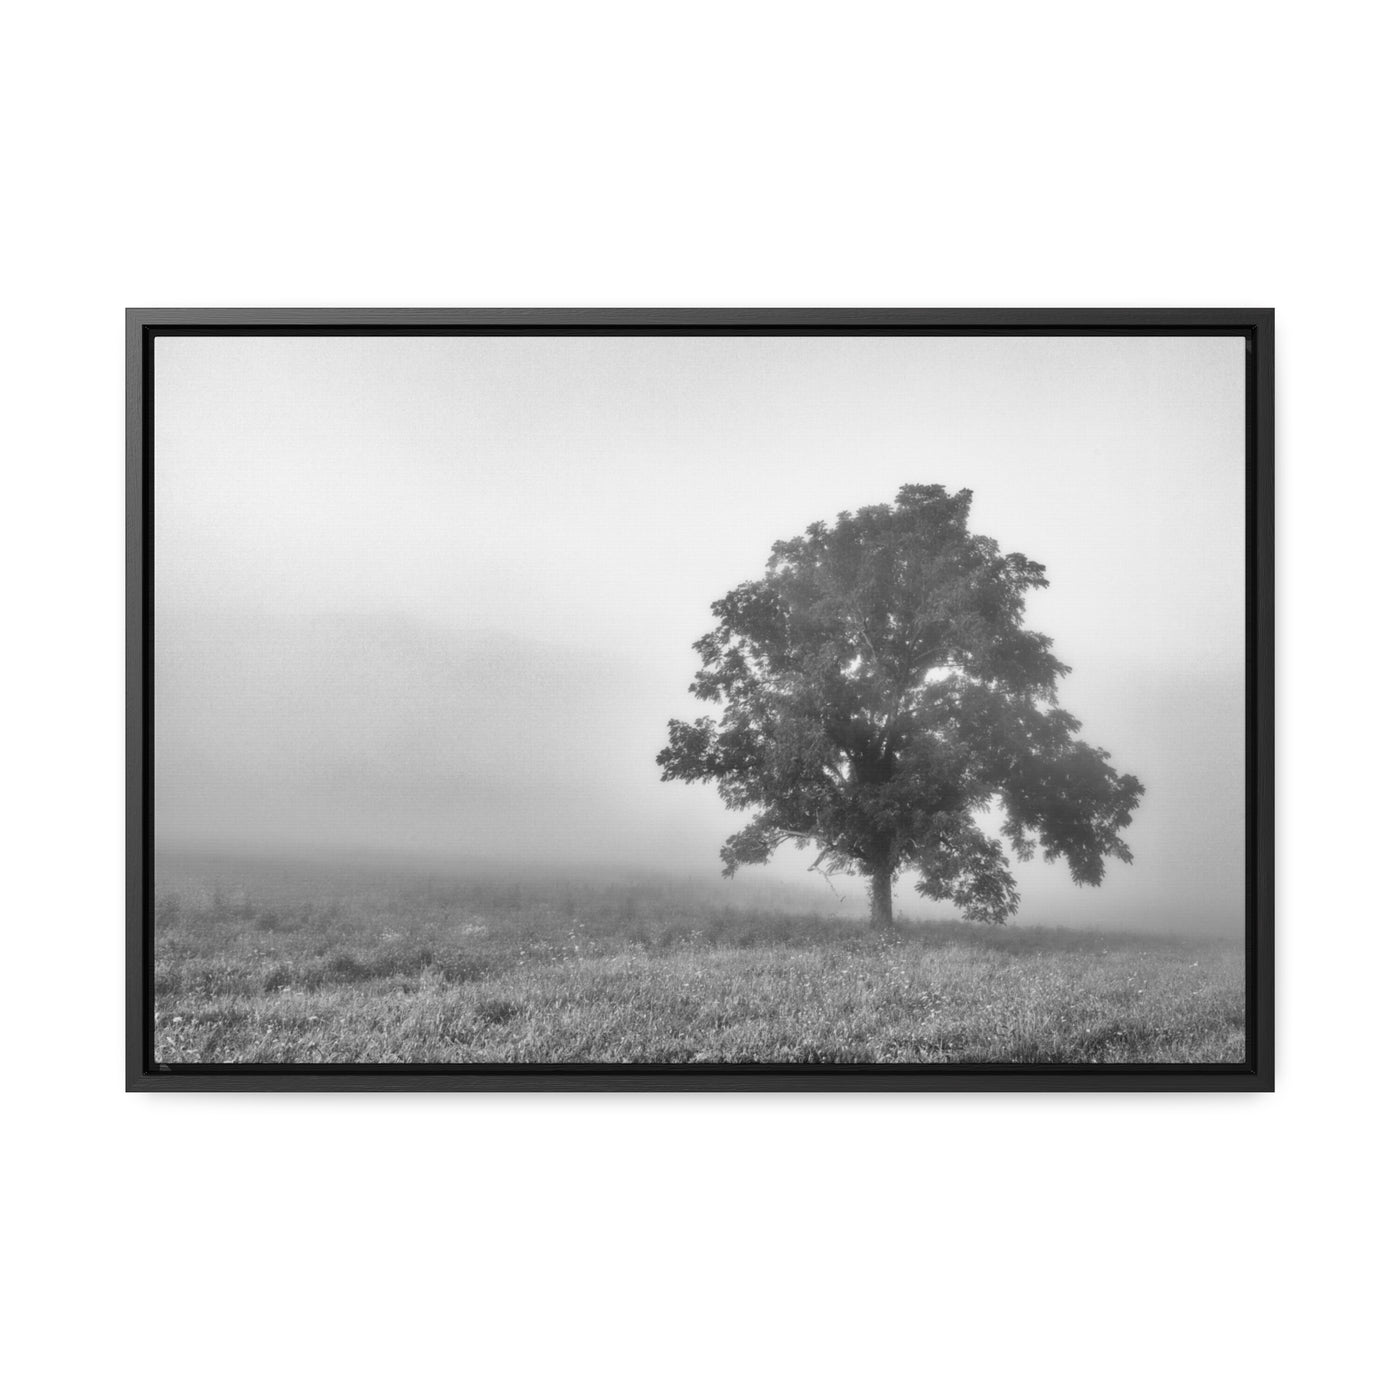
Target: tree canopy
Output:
[{"x": 879, "y": 691}]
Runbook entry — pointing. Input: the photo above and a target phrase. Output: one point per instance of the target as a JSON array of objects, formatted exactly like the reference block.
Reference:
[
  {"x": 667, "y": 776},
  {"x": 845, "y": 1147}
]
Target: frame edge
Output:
[{"x": 1258, "y": 323}]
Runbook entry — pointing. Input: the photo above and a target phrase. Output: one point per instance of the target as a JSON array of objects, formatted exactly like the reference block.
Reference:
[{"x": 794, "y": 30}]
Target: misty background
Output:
[{"x": 435, "y": 596}]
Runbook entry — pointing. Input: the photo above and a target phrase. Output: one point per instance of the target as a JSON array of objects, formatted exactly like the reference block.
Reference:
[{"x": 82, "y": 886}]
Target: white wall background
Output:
[{"x": 748, "y": 153}]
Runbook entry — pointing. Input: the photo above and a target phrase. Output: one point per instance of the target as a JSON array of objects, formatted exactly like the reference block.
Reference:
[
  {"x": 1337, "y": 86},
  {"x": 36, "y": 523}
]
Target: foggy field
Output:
[
  {"x": 424, "y": 969},
  {"x": 500, "y": 663}
]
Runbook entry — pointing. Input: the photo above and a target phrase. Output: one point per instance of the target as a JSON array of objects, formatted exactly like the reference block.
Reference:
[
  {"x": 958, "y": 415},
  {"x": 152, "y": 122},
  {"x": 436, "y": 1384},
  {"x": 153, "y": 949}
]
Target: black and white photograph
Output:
[{"x": 699, "y": 699}]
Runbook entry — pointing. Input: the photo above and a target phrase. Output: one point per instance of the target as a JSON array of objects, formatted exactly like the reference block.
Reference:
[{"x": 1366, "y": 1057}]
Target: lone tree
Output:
[{"x": 879, "y": 691}]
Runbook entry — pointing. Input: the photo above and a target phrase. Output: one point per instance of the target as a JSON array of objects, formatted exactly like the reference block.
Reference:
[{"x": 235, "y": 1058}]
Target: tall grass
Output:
[{"x": 317, "y": 969}]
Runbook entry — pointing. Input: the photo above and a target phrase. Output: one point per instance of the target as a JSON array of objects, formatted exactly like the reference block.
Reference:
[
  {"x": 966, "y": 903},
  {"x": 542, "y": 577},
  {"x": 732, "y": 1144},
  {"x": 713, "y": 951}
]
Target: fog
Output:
[{"x": 435, "y": 596}]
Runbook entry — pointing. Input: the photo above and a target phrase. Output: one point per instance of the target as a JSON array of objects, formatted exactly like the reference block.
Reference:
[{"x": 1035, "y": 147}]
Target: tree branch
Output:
[{"x": 817, "y": 866}]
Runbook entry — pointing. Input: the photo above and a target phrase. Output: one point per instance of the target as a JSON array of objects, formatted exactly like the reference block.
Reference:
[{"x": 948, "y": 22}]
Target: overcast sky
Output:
[{"x": 437, "y": 594}]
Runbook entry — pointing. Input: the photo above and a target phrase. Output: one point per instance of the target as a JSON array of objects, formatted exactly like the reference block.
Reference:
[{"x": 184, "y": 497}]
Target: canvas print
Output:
[{"x": 731, "y": 699}]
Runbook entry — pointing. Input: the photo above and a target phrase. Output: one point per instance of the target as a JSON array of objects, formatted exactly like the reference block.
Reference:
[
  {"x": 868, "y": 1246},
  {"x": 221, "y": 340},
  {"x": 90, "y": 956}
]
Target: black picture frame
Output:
[{"x": 1256, "y": 326}]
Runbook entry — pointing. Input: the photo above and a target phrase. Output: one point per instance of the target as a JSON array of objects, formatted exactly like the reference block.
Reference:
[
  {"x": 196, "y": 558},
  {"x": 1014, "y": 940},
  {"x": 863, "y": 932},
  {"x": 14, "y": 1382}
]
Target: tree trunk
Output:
[{"x": 882, "y": 899}]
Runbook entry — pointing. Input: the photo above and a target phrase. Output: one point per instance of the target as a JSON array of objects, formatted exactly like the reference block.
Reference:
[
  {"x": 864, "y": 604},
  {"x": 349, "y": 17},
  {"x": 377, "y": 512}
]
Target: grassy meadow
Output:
[{"x": 263, "y": 965}]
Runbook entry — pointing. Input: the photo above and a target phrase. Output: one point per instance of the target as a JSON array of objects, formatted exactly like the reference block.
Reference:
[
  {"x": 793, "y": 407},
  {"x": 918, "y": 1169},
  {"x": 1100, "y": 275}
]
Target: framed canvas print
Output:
[{"x": 700, "y": 699}]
